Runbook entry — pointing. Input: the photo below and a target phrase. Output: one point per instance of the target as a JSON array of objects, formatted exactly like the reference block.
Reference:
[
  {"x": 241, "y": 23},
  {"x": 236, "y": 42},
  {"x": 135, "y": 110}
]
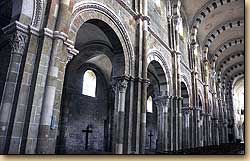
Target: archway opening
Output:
[
  {"x": 186, "y": 117},
  {"x": 155, "y": 104},
  {"x": 87, "y": 110},
  {"x": 239, "y": 109}
]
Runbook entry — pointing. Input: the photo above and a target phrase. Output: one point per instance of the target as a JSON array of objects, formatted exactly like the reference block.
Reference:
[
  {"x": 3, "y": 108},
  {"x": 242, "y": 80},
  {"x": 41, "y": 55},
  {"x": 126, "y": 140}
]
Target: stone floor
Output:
[{"x": 224, "y": 149}]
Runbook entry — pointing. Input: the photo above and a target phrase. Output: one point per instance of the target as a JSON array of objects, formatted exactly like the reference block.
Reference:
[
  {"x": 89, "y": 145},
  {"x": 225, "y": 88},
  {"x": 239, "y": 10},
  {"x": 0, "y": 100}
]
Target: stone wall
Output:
[
  {"x": 151, "y": 126},
  {"x": 158, "y": 18},
  {"x": 83, "y": 111}
]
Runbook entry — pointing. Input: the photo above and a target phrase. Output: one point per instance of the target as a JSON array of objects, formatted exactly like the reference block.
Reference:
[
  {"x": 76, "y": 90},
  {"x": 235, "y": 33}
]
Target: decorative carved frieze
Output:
[{"x": 37, "y": 13}]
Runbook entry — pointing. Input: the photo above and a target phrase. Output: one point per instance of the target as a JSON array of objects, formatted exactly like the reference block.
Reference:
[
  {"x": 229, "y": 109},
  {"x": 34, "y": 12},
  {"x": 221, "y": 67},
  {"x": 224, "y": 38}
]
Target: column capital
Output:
[
  {"x": 175, "y": 52},
  {"x": 120, "y": 84},
  {"x": 17, "y": 34},
  {"x": 142, "y": 17}
]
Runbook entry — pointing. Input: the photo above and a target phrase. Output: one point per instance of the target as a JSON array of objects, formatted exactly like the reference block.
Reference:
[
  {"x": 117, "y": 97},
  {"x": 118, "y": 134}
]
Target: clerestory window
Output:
[
  {"x": 89, "y": 83},
  {"x": 150, "y": 104}
]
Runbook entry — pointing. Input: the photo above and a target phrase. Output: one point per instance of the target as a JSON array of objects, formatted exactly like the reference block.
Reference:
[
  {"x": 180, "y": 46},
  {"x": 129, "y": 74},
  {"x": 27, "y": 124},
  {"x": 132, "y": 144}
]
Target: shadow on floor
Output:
[{"x": 224, "y": 149}]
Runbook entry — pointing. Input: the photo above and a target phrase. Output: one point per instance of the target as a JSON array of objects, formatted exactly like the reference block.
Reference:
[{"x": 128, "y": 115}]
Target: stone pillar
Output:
[
  {"x": 221, "y": 115},
  {"x": 226, "y": 123},
  {"x": 44, "y": 139},
  {"x": 175, "y": 123},
  {"x": 225, "y": 115},
  {"x": 215, "y": 107},
  {"x": 206, "y": 91},
  {"x": 25, "y": 97},
  {"x": 186, "y": 127},
  {"x": 119, "y": 87},
  {"x": 162, "y": 108},
  {"x": 145, "y": 22},
  {"x": 202, "y": 128},
  {"x": 191, "y": 139},
  {"x": 18, "y": 38},
  {"x": 129, "y": 121},
  {"x": 171, "y": 124},
  {"x": 209, "y": 124},
  {"x": 136, "y": 117},
  {"x": 166, "y": 121},
  {"x": 197, "y": 122},
  {"x": 196, "y": 111},
  {"x": 176, "y": 55}
]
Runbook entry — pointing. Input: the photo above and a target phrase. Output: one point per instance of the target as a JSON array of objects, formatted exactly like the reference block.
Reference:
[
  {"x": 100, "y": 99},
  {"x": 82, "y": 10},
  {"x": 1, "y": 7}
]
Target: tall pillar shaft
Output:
[
  {"x": 18, "y": 38},
  {"x": 207, "y": 107},
  {"x": 145, "y": 22},
  {"x": 119, "y": 87},
  {"x": 51, "y": 105}
]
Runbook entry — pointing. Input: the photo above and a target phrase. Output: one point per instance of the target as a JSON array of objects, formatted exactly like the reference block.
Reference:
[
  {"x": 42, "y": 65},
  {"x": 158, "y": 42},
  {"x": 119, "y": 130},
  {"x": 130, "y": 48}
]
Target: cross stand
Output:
[
  {"x": 150, "y": 138},
  {"x": 88, "y": 130}
]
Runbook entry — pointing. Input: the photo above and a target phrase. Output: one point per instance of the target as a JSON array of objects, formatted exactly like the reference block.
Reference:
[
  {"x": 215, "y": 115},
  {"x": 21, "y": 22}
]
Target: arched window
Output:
[
  {"x": 150, "y": 104},
  {"x": 89, "y": 83},
  {"x": 158, "y": 3},
  {"x": 180, "y": 27}
]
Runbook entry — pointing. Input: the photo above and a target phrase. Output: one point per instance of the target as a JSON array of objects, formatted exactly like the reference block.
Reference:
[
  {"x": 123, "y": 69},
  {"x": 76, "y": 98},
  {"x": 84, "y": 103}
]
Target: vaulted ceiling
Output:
[{"x": 220, "y": 25}]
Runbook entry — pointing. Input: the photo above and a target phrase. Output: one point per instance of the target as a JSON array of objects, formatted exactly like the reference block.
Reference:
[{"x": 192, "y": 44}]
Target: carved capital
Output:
[
  {"x": 18, "y": 41},
  {"x": 120, "y": 85}
]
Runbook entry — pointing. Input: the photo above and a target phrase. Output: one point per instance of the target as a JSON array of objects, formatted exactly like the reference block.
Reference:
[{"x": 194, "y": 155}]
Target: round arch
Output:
[
  {"x": 187, "y": 84},
  {"x": 92, "y": 10},
  {"x": 155, "y": 55}
]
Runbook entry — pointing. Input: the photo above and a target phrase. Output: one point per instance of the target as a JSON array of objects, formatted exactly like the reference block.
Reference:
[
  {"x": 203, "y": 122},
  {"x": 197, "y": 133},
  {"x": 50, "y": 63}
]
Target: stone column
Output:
[
  {"x": 197, "y": 122},
  {"x": 145, "y": 22},
  {"x": 191, "y": 139},
  {"x": 25, "y": 97},
  {"x": 202, "y": 128},
  {"x": 129, "y": 120},
  {"x": 185, "y": 127},
  {"x": 206, "y": 91},
  {"x": 18, "y": 37},
  {"x": 214, "y": 118},
  {"x": 177, "y": 80},
  {"x": 44, "y": 140},
  {"x": 225, "y": 115},
  {"x": 196, "y": 111},
  {"x": 159, "y": 106},
  {"x": 209, "y": 124},
  {"x": 221, "y": 115},
  {"x": 226, "y": 123},
  {"x": 166, "y": 121},
  {"x": 171, "y": 124},
  {"x": 119, "y": 87},
  {"x": 162, "y": 108}
]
